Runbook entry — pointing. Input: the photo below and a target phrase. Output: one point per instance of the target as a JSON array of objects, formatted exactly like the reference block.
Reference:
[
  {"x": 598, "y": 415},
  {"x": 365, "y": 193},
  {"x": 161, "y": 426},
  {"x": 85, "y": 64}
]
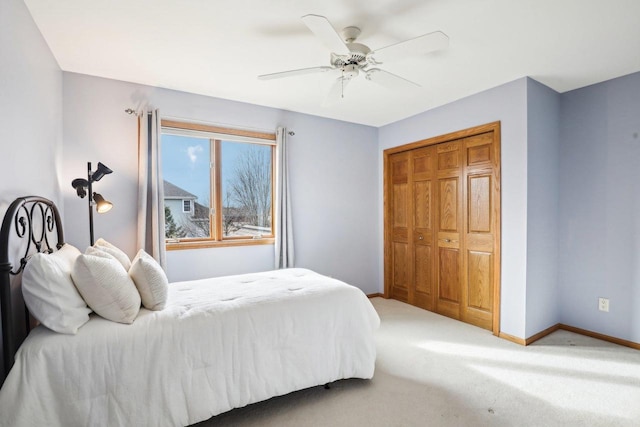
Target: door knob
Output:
[{"x": 420, "y": 237}]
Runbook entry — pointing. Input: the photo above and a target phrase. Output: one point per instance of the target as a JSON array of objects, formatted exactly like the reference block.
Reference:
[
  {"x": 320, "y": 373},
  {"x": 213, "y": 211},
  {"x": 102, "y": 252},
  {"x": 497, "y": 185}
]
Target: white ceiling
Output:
[{"x": 218, "y": 47}]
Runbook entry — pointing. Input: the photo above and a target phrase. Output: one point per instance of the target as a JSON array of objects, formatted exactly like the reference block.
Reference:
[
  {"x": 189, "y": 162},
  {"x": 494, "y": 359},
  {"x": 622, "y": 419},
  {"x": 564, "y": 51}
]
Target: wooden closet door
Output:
[
  {"x": 449, "y": 227},
  {"x": 442, "y": 225},
  {"x": 399, "y": 220},
  {"x": 422, "y": 289},
  {"x": 481, "y": 225}
]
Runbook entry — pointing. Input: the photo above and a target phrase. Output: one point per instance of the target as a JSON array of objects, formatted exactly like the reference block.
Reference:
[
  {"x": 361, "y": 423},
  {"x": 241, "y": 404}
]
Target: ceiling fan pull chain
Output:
[{"x": 342, "y": 83}]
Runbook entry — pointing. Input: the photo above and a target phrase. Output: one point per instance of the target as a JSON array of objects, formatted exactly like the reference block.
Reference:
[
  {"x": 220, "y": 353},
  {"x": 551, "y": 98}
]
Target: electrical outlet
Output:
[{"x": 603, "y": 304}]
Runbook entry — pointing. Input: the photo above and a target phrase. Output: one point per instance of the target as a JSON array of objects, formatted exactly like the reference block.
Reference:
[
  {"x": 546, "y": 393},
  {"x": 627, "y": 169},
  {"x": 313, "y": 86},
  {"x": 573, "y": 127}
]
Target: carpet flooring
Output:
[{"x": 434, "y": 371}]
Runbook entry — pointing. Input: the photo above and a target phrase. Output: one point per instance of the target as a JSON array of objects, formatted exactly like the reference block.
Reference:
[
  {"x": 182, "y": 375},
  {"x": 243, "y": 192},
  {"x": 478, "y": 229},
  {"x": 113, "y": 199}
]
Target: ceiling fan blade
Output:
[
  {"x": 322, "y": 28},
  {"x": 336, "y": 93},
  {"x": 295, "y": 73},
  {"x": 416, "y": 46},
  {"x": 389, "y": 80}
]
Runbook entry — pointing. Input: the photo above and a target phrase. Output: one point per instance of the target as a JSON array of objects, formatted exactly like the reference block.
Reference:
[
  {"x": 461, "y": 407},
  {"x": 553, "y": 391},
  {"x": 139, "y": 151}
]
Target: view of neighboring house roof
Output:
[
  {"x": 172, "y": 191},
  {"x": 200, "y": 211}
]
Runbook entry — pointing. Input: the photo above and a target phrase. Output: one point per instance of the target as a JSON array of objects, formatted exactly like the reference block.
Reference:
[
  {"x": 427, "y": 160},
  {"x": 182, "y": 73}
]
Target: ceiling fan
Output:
[{"x": 351, "y": 59}]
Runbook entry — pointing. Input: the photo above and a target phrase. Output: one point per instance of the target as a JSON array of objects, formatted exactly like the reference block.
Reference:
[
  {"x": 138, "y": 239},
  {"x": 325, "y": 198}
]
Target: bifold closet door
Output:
[
  {"x": 449, "y": 227},
  {"x": 481, "y": 207},
  {"x": 398, "y": 217},
  {"x": 421, "y": 287},
  {"x": 412, "y": 253}
]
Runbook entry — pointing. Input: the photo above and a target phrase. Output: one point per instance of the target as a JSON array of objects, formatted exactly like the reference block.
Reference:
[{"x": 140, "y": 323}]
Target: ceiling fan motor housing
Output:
[
  {"x": 357, "y": 56},
  {"x": 358, "y": 52}
]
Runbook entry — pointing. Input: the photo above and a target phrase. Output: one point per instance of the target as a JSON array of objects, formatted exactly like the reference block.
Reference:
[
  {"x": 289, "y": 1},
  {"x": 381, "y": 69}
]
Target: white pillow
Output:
[
  {"x": 118, "y": 254},
  {"x": 50, "y": 294},
  {"x": 151, "y": 281},
  {"x": 106, "y": 286}
]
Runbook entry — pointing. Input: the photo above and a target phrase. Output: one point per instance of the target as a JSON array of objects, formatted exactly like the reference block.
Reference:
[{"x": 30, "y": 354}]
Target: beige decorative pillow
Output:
[
  {"x": 112, "y": 250},
  {"x": 106, "y": 286},
  {"x": 50, "y": 294},
  {"x": 150, "y": 279}
]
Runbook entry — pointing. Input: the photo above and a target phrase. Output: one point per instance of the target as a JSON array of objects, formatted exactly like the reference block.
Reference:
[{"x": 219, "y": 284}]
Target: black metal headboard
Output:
[{"x": 31, "y": 224}]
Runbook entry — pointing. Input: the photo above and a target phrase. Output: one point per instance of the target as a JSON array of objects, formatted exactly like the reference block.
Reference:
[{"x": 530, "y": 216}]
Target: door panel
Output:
[
  {"x": 423, "y": 269},
  {"x": 422, "y": 163},
  {"x": 478, "y": 155},
  {"x": 422, "y": 204},
  {"x": 479, "y": 281},
  {"x": 448, "y": 156},
  {"x": 480, "y": 150},
  {"x": 400, "y": 290},
  {"x": 449, "y": 283},
  {"x": 479, "y": 197},
  {"x": 448, "y": 301},
  {"x": 399, "y": 168},
  {"x": 400, "y": 205},
  {"x": 449, "y": 204}
]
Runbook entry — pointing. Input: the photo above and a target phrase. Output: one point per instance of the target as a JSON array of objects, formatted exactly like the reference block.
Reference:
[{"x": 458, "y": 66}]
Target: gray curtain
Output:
[
  {"x": 150, "y": 187},
  {"x": 283, "y": 223}
]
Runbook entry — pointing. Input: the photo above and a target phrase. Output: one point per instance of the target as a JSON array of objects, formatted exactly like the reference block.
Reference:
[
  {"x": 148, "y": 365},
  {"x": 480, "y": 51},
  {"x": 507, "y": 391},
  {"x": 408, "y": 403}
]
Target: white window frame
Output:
[{"x": 190, "y": 206}]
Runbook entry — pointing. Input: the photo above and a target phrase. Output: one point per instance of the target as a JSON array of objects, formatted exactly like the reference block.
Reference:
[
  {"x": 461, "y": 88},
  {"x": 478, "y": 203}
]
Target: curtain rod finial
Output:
[
  {"x": 291, "y": 133},
  {"x": 130, "y": 111}
]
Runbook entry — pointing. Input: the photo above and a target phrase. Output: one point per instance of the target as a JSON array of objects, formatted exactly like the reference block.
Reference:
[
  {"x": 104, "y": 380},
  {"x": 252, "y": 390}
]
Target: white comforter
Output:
[{"x": 220, "y": 344}]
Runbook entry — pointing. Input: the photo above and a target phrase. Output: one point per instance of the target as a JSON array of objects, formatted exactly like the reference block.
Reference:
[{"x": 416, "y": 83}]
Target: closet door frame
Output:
[{"x": 387, "y": 197}]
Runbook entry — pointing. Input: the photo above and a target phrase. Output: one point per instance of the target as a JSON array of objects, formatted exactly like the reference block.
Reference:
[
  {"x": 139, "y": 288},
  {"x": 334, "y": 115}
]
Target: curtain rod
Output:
[{"x": 132, "y": 111}]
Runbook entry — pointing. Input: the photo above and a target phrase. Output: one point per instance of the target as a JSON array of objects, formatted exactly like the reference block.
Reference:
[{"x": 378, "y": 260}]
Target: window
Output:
[{"x": 218, "y": 185}]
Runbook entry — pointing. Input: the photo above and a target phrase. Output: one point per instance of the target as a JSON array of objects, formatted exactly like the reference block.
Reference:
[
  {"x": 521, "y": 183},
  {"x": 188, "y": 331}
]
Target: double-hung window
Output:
[{"x": 218, "y": 185}]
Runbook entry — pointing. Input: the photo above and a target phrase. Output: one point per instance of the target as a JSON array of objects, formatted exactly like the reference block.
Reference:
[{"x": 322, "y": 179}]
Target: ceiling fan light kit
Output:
[{"x": 350, "y": 58}]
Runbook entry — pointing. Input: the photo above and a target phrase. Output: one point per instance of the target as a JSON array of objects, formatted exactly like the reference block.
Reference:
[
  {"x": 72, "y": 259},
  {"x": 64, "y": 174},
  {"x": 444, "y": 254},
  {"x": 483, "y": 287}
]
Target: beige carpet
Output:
[{"x": 434, "y": 371}]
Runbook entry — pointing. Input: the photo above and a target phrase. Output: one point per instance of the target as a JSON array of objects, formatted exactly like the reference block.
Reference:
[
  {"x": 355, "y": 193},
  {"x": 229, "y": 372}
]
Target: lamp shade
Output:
[
  {"x": 100, "y": 172},
  {"x": 102, "y": 205},
  {"x": 80, "y": 185}
]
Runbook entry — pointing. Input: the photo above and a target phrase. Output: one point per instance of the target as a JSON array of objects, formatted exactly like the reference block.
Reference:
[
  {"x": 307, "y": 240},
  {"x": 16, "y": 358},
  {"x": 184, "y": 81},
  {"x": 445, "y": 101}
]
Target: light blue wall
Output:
[
  {"x": 507, "y": 104},
  {"x": 333, "y": 171},
  {"x": 543, "y": 138},
  {"x": 599, "y": 222},
  {"x": 30, "y": 107}
]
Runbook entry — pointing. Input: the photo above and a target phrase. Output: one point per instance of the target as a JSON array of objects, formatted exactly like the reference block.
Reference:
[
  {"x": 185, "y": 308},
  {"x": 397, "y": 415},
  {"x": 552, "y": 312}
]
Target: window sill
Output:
[{"x": 176, "y": 246}]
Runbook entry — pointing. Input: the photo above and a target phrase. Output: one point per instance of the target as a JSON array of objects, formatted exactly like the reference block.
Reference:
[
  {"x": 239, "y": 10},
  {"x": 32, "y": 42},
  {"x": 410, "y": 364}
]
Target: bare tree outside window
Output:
[
  {"x": 231, "y": 216},
  {"x": 249, "y": 188}
]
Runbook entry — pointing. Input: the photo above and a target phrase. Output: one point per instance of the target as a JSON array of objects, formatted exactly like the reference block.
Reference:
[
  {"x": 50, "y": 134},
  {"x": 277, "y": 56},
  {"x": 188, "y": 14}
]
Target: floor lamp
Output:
[{"x": 85, "y": 186}]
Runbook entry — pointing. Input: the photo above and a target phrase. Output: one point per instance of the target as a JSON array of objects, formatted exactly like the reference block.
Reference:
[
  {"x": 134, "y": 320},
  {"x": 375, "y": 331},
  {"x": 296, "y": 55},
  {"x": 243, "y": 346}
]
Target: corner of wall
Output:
[{"x": 543, "y": 116}]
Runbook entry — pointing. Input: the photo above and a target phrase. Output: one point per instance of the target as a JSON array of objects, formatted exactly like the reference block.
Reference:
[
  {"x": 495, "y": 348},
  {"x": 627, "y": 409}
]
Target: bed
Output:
[{"x": 219, "y": 343}]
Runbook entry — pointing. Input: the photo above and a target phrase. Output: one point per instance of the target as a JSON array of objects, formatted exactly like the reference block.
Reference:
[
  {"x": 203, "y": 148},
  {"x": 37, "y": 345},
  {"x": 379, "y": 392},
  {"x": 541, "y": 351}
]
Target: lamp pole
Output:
[{"x": 90, "y": 201}]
